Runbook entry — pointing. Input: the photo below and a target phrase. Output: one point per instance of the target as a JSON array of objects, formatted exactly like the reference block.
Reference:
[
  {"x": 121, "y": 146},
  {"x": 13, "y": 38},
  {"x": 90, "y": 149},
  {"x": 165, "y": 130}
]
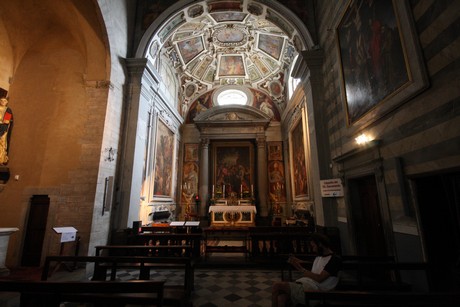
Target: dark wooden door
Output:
[
  {"x": 35, "y": 233},
  {"x": 438, "y": 199},
  {"x": 366, "y": 218}
]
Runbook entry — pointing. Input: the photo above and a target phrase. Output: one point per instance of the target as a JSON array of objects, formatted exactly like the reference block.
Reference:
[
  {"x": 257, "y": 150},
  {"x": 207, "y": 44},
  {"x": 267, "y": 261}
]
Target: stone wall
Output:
[{"x": 421, "y": 135}]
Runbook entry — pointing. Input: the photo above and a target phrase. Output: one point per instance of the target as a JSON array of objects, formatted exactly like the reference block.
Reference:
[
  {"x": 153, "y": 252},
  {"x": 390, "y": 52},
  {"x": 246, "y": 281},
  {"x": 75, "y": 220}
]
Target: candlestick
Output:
[
  {"x": 252, "y": 190},
  {"x": 223, "y": 191}
]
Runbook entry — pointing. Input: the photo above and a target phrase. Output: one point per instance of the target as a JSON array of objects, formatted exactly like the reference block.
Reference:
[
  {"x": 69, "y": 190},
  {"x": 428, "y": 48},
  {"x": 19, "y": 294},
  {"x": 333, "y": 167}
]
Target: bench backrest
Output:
[
  {"x": 113, "y": 262},
  {"x": 52, "y": 293}
]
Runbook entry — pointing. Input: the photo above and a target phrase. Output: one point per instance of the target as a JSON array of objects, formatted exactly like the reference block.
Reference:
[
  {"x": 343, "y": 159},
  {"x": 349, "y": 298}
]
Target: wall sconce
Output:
[
  {"x": 363, "y": 139},
  {"x": 111, "y": 152}
]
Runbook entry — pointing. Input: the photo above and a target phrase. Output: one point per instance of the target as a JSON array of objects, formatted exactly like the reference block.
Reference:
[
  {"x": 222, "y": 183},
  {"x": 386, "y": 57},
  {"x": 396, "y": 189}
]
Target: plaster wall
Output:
[{"x": 58, "y": 94}]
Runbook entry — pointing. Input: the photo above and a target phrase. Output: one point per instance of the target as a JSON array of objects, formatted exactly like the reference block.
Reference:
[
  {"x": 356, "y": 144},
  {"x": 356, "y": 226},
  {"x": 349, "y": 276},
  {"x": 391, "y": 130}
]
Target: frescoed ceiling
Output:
[{"x": 228, "y": 43}]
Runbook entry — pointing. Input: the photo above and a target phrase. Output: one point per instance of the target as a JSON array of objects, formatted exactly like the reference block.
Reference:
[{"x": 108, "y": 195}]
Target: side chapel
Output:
[{"x": 232, "y": 113}]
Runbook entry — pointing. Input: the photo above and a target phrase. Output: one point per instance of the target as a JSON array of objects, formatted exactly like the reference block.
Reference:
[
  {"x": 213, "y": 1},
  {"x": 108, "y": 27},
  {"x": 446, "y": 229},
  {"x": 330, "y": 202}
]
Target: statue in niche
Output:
[{"x": 6, "y": 121}]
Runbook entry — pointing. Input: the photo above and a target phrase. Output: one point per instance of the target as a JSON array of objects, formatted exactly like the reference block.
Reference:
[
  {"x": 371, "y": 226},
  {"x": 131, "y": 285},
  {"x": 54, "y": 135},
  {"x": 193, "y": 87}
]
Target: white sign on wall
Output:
[{"x": 331, "y": 188}]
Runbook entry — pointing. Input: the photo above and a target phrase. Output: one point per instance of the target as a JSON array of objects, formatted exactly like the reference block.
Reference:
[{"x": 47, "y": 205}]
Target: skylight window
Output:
[{"x": 232, "y": 96}]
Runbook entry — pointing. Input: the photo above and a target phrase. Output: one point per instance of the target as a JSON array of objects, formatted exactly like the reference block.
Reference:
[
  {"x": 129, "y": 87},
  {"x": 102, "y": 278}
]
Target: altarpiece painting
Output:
[
  {"x": 299, "y": 167},
  {"x": 164, "y": 161},
  {"x": 233, "y": 167}
]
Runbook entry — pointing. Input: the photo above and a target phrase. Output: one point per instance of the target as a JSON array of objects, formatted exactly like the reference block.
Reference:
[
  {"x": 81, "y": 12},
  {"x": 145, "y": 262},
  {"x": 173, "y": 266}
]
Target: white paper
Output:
[
  {"x": 68, "y": 234},
  {"x": 64, "y": 229}
]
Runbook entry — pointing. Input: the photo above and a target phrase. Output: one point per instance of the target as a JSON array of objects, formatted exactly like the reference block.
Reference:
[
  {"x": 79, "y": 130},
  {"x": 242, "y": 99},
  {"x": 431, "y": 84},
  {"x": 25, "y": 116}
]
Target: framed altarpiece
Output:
[
  {"x": 233, "y": 168},
  {"x": 299, "y": 158},
  {"x": 165, "y": 152}
]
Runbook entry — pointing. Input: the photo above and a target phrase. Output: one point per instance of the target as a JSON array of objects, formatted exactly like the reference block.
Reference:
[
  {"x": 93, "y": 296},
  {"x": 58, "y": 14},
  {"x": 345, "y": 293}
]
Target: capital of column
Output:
[
  {"x": 135, "y": 66},
  {"x": 260, "y": 141},
  {"x": 313, "y": 58},
  {"x": 205, "y": 143}
]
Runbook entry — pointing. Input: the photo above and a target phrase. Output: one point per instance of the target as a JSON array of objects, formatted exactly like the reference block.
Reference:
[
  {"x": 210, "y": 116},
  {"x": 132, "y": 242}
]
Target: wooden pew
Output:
[
  {"x": 269, "y": 243},
  {"x": 102, "y": 293},
  {"x": 145, "y": 250},
  {"x": 163, "y": 239},
  {"x": 211, "y": 234},
  {"x": 177, "y": 294},
  {"x": 384, "y": 298},
  {"x": 368, "y": 273}
]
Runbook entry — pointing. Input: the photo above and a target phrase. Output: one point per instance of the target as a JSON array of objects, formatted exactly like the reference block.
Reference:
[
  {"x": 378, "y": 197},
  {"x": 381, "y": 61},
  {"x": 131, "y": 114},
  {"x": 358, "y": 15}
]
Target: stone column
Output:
[
  {"x": 317, "y": 123},
  {"x": 262, "y": 175},
  {"x": 204, "y": 180}
]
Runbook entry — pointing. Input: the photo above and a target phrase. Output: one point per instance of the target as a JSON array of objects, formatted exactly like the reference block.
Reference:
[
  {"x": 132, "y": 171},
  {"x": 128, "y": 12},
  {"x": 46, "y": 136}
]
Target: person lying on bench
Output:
[{"x": 322, "y": 277}]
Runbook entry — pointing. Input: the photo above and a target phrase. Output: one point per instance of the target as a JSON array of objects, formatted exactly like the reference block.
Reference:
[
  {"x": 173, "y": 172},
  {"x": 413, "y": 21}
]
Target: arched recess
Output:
[
  {"x": 151, "y": 93},
  {"x": 234, "y": 122}
]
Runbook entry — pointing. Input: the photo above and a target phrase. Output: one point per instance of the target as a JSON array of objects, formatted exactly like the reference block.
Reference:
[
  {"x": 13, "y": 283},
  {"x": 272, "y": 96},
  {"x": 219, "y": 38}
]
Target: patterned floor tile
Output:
[{"x": 222, "y": 288}]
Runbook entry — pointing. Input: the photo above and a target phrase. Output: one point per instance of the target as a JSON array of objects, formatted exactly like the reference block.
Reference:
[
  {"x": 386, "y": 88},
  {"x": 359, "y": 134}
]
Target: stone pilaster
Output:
[
  {"x": 204, "y": 180},
  {"x": 262, "y": 175}
]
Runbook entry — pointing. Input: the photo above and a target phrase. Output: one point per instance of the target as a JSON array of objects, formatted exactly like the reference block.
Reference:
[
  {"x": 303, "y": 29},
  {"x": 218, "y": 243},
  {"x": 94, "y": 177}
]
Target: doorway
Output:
[
  {"x": 438, "y": 198},
  {"x": 35, "y": 232},
  {"x": 366, "y": 217}
]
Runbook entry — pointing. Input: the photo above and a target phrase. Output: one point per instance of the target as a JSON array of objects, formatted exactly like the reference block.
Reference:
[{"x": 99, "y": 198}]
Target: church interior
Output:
[{"x": 232, "y": 114}]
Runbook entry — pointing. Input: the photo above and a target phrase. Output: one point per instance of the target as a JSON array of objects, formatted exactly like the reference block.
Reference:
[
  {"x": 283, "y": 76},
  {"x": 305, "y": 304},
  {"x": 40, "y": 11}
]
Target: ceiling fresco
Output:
[
  {"x": 259, "y": 101},
  {"x": 227, "y": 43}
]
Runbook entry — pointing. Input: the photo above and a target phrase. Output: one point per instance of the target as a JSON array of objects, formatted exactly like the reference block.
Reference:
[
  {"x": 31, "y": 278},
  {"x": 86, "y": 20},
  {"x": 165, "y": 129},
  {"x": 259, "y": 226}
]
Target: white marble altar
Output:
[{"x": 232, "y": 215}]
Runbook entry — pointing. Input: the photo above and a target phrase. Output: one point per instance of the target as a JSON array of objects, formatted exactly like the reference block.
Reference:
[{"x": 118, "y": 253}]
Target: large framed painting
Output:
[
  {"x": 299, "y": 168},
  {"x": 233, "y": 166},
  {"x": 164, "y": 161},
  {"x": 380, "y": 59}
]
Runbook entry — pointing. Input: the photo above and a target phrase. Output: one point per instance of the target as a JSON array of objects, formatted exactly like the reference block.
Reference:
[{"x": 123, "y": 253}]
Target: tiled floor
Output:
[
  {"x": 235, "y": 285},
  {"x": 224, "y": 287}
]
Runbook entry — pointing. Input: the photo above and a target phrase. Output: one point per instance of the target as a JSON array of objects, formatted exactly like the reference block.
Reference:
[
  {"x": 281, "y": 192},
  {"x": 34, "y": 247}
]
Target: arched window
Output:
[{"x": 232, "y": 96}]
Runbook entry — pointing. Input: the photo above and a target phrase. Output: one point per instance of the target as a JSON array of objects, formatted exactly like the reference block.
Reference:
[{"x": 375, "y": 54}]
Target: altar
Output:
[{"x": 239, "y": 215}]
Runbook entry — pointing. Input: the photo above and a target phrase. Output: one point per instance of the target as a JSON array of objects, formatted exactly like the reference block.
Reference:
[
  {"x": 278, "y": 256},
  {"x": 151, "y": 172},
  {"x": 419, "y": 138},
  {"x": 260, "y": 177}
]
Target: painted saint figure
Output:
[{"x": 6, "y": 120}]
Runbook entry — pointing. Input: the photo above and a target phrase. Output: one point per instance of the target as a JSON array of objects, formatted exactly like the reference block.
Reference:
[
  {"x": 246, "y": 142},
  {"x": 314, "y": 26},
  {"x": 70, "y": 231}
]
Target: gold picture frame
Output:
[
  {"x": 380, "y": 59},
  {"x": 299, "y": 161},
  {"x": 165, "y": 146}
]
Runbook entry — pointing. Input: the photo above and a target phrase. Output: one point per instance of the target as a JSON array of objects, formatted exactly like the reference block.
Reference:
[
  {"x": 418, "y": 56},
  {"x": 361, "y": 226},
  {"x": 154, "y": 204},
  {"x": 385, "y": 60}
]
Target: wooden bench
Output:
[
  {"x": 368, "y": 273},
  {"x": 145, "y": 250},
  {"x": 384, "y": 298},
  {"x": 163, "y": 239},
  {"x": 173, "y": 294},
  {"x": 102, "y": 293}
]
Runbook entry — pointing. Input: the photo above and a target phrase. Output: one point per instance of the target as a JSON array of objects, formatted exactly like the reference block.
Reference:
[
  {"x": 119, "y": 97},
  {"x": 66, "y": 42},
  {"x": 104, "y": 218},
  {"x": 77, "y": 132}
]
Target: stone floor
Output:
[{"x": 223, "y": 280}]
